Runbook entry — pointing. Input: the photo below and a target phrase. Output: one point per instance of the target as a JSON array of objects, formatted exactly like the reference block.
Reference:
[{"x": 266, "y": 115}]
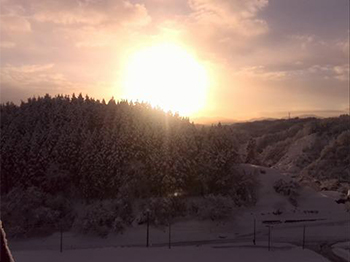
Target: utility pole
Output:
[
  {"x": 147, "y": 236},
  {"x": 169, "y": 233},
  {"x": 254, "y": 239},
  {"x": 61, "y": 239},
  {"x": 304, "y": 237},
  {"x": 269, "y": 238}
]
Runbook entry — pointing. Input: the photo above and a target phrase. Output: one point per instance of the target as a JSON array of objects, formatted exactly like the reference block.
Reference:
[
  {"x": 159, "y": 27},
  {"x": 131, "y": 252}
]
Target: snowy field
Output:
[
  {"x": 178, "y": 254},
  {"x": 326, "y": 224}
]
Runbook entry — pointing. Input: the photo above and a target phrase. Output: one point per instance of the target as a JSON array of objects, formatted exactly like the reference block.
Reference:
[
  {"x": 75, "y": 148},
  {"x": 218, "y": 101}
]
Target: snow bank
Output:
[{"x": 342, "y": 250}]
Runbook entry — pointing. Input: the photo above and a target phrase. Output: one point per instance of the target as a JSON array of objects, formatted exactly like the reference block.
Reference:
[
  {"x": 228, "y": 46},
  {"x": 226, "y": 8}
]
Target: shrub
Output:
[
  {"x": 32, "y": 212},
  {"x": 102, "y": 217},
  {"x": 289, "y": 189},
  {"x": 161, "y": 209},
  {"x": 214, "y": 207}
]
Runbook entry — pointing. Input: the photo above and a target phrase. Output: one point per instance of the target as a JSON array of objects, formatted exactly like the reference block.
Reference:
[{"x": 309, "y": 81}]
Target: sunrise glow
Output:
[{"x": 168, "y": 76}]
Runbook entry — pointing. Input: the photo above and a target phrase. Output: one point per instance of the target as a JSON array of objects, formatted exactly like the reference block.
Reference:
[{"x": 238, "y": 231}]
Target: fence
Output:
[{"x": 269, "y": 234}]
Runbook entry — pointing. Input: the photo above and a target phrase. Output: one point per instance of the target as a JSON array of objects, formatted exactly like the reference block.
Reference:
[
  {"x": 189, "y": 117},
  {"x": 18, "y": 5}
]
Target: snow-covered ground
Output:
[
  {"x": 178, "y": 254},
  {"x": 342, "y": 250},
  {"x": 325, "y": 221}
]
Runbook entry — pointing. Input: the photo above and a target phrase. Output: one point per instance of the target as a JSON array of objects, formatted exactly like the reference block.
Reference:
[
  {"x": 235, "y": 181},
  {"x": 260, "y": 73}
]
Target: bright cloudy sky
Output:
[{"x": 263, "y": 57}]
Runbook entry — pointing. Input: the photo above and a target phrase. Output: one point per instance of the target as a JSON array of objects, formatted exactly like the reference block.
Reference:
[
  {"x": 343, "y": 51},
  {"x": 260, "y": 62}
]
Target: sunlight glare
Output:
[{"x": 168, "y": 76}]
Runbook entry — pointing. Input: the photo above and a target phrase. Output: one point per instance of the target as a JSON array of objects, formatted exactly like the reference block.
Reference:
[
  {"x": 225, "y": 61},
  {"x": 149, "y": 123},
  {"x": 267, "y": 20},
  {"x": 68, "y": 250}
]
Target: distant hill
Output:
[
  {"x": 311, "y": 147},
  {"x": 271, "y": 116},
  {"x": 213, "y": 120}
]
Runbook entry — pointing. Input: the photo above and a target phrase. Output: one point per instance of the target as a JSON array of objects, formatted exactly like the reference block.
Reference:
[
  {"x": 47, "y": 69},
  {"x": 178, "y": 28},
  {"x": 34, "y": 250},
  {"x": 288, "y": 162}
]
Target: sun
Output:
[{"x": 168, "y": 76}]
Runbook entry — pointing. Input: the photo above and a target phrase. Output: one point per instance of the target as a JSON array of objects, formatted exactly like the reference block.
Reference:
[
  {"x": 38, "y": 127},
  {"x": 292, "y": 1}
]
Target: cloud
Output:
[
  {"x": 7, "y": 44},
  {"x": 342, "y": 72},
  {"x": 343, "y": 45},
  {"x": 303, "y": 38},
  {"x": 37, "y": 78},
  {"x": 336, "y": 72},
  {"x": 67, "y": 12},
  {"x": 225, "y": 8},
  {"x": 12, "y": 7},
  {"x": 327, "y": 72},
  {"x": 27, "y": 68},
  {"x": 260, "y": 72},
  {"x": 238, "y": 16},
  {"x": 14, "y": 24}
]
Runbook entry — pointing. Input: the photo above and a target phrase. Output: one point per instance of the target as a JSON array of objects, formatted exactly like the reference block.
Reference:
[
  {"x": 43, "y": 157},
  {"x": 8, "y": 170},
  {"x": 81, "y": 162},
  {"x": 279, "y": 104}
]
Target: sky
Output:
[{"x": 263, "y": 58}]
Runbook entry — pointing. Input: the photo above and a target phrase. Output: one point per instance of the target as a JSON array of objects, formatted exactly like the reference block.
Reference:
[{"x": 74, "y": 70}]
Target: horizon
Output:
[{"x": 204, "y": 120}]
